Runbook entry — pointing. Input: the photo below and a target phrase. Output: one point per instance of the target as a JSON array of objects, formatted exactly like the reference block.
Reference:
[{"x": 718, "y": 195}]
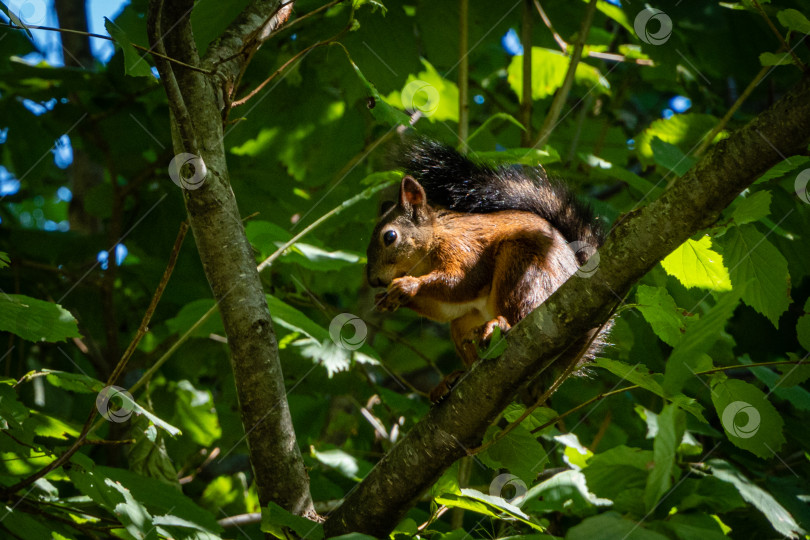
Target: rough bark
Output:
[
  {"x": 195, "y": 101},
  {"x": 637, "y": 243}
]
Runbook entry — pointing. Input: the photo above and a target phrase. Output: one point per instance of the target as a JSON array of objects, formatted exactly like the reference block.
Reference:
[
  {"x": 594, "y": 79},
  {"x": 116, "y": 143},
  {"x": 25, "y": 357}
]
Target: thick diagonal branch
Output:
[{"x": 636, "y": 244}]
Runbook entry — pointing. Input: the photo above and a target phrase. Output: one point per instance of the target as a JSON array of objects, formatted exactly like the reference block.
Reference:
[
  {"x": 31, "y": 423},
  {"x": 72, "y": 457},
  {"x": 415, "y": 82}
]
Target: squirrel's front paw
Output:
[{"x": 399, "y": 293}]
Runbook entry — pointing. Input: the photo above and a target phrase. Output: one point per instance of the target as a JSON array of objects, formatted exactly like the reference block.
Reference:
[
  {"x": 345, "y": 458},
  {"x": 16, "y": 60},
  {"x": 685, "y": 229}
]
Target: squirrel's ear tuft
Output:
[{"x": 412, "y": 196}]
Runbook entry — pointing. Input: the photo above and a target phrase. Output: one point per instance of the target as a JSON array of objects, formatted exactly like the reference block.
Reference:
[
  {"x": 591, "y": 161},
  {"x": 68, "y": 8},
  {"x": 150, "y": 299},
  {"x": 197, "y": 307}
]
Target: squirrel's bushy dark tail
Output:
[{"x": 456, "y": 182}]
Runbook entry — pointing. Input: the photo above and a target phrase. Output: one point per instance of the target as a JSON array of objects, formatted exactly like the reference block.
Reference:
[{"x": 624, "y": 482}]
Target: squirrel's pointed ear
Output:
[{"x": 412, "y": 196}]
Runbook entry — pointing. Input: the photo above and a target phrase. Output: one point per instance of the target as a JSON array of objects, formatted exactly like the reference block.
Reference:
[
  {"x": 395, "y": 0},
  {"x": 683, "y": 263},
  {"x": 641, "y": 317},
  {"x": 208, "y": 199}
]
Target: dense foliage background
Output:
[{"x": 89, "y": 217}]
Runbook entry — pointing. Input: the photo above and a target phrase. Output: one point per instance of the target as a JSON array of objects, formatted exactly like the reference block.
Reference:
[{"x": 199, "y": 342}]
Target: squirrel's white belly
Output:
[{"x": 449, "y": 311}]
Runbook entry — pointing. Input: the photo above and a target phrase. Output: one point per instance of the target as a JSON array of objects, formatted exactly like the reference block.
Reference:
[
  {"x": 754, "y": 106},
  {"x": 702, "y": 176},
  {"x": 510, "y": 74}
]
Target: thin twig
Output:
[
  {"x": 707, "y": 140},
  {"x": 562, "y": 94},
  {"x": 557, "y": 37},
  {"x": 796, "y": 60},
  {"x": 177, "y": 105},
  {"x": 526, "y": 99},
  {"x": 616, "y": 57},
  {"x": 286, "y": 64},
  {"x": 463, "y": 76},
  {"x": 108, "y": 38}
]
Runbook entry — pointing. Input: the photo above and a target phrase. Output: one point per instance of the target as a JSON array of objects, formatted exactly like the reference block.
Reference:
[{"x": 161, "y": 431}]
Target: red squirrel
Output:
[{"x": 476, "y": 246}]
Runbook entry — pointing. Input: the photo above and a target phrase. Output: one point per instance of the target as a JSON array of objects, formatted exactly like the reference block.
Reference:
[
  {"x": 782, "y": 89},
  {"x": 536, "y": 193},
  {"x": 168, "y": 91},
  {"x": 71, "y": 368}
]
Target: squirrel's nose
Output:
[{"x": 372, "y": 280}]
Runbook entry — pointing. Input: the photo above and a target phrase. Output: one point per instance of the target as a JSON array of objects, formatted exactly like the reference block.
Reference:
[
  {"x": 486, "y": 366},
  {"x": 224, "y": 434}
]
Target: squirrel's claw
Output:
[
  {"x": 443, "y": 388},
  {"x": 488, "y": 329}
]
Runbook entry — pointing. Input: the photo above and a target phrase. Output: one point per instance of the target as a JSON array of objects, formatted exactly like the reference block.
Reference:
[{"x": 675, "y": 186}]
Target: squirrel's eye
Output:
[{"x": 389, "y": 237}]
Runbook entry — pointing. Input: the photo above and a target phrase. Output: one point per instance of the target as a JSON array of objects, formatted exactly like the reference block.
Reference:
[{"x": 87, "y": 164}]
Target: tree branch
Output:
[{"x": 635, "y": 246}]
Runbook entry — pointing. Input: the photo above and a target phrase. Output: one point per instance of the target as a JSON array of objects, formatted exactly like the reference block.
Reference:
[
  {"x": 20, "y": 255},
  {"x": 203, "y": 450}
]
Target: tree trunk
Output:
[{"x": 196, "y": 101}]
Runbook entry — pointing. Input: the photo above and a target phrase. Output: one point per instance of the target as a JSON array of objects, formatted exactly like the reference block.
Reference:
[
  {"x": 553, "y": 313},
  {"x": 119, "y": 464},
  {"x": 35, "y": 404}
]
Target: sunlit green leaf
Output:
[{"x": 695, "y": 264}]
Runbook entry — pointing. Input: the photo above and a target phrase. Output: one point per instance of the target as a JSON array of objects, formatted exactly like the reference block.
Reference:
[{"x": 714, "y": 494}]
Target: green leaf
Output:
[
  {"x": 775, "y": 59},
  {"x": 564, "y": 492},
  {"x": 695, "y": 264},
  {"x": 524, "y": 156},
  {"x": 752, "y": 208},
  {"x": 795, "y": 20},
  {"x": 147, "y": 456},
  {"x": 488, "y": 505},
  {"x": 690, "y": 527},
  {"x": 794, "y": 374},
  {"x": 775, "y": 513},
  {"x": 428, "y": 93},
  {"x": 803, "y": 327},
  {"x": 187, "y": 529},
  {"x": 290, "y": 318},
  {"x": 788, "y": 165},
  {"x": 134, "y": 64},
  {"x": 659, "y": 309},
  {"x": 518, "y": 451},
  {"x": 276, "y": 521},
  {"x": 135, "y": 517},
  {"x": 382, "y": 109},
  {"x": 750, "y": 421},
  {"x": 497, "y": 344},
  {"x": 643, "y": 377},
  {"x": 671, "y": 426},
  {"x": 317, "y": 259},
  {"x": 36, "y": 320},
  {"x": 73, "y": 382},
  {"x": 5, "y": 260},
  {"x": 195, "y": 411},
  {"x": 342, "y": 462},
  {"x": 548, "y": 72},
  {"x": 699, "y": 337},
  {"x": 611, "y": 525},
  {"x": 616, "y": 13},
  {"x": 15, "y": 19},
  {"x": 152, "y": 493},
  {"x": 11, "y": 410},
  {"x": 759, "y": 269},
  {"x": 707, "y": 494},
  {"x": 617, "y": 470},
  {"x": 682, "y": 130},
  {"x": 796, "y": 395},
  {"x": 670, "y": 157}
]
